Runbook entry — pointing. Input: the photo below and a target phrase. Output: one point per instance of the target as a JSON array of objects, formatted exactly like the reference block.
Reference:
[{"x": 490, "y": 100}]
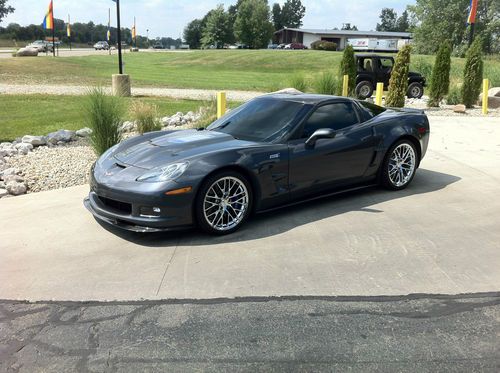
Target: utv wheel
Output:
[
  {"x": 364, "y": 89},
  {"x": 399, "y": 165},
  {"x": 415, "y": 90},
  {"x": 224, "y": 203}
]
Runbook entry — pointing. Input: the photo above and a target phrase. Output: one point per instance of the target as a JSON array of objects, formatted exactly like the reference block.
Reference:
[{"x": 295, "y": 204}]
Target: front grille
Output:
[{"x": 117, "y": 205}]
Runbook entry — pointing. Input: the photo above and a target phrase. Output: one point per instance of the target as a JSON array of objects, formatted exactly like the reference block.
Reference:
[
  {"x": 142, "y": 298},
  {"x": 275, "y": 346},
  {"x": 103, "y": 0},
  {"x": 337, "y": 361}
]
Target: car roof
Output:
[
  {"x": 364, "y": 55},
  {"x": 305, "y": 98}
]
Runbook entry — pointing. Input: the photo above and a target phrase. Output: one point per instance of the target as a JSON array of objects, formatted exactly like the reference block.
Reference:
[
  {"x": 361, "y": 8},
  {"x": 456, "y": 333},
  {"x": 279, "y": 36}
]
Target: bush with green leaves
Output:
[
  {"x": 398, "y": 84},
  {"x": 323, "y": 45},
  {"x": 145, "y": 116},
  {"x": 326, "y": 83},
  {"x": 454, "y": 96},
  {"x": 103, "y": 114},
  {"x": 473, "y": 74},
  {"x": 348, "y": 67},
  {"x": 298, "y": 81},
  {"x": 440, "y": 79}
]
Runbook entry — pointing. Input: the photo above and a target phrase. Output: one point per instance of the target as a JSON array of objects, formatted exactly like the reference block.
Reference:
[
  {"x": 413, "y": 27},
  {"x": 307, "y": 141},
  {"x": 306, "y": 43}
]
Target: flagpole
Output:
[
  {"x": 135, "y": 35},
  {"x": 53, "y": 33},
  {"x": 109, "y": 30},
  {"x": 119, "y": 37},
  {"x": 471, "y": 35}
]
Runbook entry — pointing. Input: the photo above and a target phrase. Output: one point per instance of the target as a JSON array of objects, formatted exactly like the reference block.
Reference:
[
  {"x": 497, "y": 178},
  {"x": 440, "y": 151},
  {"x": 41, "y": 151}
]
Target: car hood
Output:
[{"x": 175, "y": 147}]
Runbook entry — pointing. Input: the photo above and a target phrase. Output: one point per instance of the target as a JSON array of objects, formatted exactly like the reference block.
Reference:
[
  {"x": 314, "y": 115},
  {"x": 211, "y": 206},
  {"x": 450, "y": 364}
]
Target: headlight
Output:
[{"x": 170, "y": 172}]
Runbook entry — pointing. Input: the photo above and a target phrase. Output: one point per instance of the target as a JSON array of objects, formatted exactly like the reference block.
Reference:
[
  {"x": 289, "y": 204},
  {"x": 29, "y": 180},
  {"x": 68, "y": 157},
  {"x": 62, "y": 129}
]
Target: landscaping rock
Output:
[
  {"x": 34, "y": 140},
  {"x": 27, "y": 52},
  {"x": 3, "y": 192},
  {"x": 494, "y": 92},
  {"x": 493, "y": 101},
  {"x": 459, "y": 109},
  {"x": 289, "y": 91},
  {"x": 61, "y": 135},
  {"x": 84, "y": 132},
  {"x": 8, "y": 172},
  {"x": 7, "y": 179},
  {"x": 127, "y": 127},
  {"x": 16, "y": 188},
  {"x": 23, "y": 148}
]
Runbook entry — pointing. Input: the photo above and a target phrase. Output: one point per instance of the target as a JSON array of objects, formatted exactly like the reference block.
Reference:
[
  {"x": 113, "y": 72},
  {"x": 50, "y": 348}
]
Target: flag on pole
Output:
[
  {"x": 133, "y": 30},
  {"x": 472, "y": 12},
  {"x": 108, "y": 34},
  {"x": 48, "y": 21},
  {"x": 68, "y": 30}
]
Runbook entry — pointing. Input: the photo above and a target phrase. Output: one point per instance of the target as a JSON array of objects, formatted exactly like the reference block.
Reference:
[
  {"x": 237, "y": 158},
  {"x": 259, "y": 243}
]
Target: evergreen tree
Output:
[
  {"x": 440, "y": 80},
  {"x": 398, "y": 84},
  {"x": 277, "y": 19},
  {"x": 292, "y": 13},
  {"x": 403, "y": 23},
  {"x": 473, "y": 74},
  {"x": 347, "y": 67},
  {"x": 388, "y": 20}
]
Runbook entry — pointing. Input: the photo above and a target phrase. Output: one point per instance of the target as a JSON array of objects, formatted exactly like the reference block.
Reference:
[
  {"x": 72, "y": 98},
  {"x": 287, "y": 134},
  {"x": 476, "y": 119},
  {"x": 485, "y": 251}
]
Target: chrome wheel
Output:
[
  {"x": 225, "y": 203},
  {"x": 401, "y": 165}
]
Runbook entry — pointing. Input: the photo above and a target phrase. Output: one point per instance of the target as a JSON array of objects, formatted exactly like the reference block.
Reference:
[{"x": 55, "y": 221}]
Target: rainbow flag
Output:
[
  {"x": 472, "y": 12},
  {"x": 48, "y": 21},
  {"x": 68, "y": 30}
]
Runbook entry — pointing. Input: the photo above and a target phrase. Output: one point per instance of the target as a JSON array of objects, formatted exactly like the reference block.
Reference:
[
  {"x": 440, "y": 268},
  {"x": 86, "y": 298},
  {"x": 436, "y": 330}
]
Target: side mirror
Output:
[{"x": 322, "y": 133}]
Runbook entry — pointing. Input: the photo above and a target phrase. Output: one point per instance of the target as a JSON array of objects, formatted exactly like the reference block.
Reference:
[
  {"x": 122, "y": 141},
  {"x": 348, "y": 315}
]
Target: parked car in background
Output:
[
  {"x": 101, "y": 45},
  {"x": 374, "y": 68},
  {"x": 281, "y": 46},
  {"x": 158, "y": 45},
  {"x": 295, "y": 46},
  {"x": 272, "y": 46},
  {"x": 41, "y": 46}
]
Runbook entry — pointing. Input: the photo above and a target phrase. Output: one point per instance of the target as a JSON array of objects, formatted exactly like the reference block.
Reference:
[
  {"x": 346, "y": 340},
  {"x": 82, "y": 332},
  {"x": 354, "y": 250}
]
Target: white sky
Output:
[{"x": 168, "y": 18}]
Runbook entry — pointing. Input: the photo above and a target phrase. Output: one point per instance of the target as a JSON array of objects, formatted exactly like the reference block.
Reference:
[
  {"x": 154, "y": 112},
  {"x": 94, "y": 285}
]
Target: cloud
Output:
[{"x": 168, "y": 18}]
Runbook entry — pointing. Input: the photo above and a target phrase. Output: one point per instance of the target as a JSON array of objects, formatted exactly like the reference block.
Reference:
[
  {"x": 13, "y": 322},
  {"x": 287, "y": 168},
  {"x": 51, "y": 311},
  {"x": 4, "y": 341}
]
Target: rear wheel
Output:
[
  {"x": 224, "y": 202},
  {"x": 364, "y": 89},
  {"x": 399, "y": 165},
  {"x": 415, "y": 90}
]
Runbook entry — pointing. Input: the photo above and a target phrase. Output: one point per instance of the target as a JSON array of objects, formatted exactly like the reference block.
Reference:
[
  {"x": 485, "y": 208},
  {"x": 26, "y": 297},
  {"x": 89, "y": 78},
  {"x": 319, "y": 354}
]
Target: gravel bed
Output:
[{"x": 58, "y": 167}]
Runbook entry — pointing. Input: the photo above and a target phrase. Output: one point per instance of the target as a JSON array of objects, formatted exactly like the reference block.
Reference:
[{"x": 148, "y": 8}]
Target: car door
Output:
[{"x": 332, "y": 161}]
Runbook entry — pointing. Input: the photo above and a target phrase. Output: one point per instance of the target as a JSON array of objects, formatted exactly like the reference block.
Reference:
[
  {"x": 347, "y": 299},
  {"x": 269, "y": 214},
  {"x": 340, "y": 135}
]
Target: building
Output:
[{"x": 307, "y": 36}]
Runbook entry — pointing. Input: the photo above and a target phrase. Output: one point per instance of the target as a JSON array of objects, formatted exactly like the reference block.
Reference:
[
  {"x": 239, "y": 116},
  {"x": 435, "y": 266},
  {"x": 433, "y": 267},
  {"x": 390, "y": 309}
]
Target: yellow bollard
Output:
[
  {"x": 345, "y": 86},
  {"x": 379, "y": 93},
  {"x": 221, "y": 104},
  {"x": 485, "y": 96}
]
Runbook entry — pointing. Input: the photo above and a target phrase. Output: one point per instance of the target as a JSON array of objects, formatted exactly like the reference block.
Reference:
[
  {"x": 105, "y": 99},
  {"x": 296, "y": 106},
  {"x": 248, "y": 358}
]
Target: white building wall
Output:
[{"x": 310, "y": 38}]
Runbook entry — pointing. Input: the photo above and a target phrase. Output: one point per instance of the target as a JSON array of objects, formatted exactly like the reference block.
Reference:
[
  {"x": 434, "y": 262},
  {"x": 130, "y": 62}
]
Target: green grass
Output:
[
  {"x": 261, "y": 70},
  {"x": 40, "y": 114}
]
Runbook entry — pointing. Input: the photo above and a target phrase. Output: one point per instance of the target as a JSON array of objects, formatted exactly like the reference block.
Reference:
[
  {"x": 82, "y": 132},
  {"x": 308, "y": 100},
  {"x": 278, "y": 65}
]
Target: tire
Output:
[
  {"x": 415, "y": 90},
  {"x": 399, "y": 166},
  {"x": 217, "y": 212},
  {"x": 364, "y": 89}
]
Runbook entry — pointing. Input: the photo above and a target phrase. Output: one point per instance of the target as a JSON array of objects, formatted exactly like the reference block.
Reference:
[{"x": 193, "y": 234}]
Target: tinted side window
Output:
[
  {"x": 371, "y": 109},
  {"x": 334, "y": 116}
]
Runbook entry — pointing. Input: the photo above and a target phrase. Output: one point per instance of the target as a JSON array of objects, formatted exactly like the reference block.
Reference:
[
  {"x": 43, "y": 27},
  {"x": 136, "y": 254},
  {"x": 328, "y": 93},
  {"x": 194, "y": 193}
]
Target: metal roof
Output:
[{"x": 403, "y": 35}]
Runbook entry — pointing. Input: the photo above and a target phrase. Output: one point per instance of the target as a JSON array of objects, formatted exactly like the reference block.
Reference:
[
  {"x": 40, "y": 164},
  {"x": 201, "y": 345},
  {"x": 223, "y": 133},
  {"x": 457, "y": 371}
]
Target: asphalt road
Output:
[{"x": 387, "y": 334}]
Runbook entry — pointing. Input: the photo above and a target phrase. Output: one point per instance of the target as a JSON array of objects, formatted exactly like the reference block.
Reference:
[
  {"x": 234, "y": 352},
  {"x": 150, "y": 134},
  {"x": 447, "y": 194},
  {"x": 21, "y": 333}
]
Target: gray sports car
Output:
[{"x": 272, "y": 151}]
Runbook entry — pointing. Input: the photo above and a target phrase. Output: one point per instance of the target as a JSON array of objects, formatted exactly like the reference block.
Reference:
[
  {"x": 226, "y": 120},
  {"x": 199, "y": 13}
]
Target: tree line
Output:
[{"x": 249, "y": 22}]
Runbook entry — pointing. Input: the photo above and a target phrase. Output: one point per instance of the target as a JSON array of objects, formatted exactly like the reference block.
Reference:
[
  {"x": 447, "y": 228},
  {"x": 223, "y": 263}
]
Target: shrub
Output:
[
  {"x": 440, "y": 79},
  {"x": 454, "y": 96},
  {"x": 398, "y": 84},
  {"x": 298, "y": 82},
  {"x": 473, "y": 74},
  {"x": 326, "y": 83},
  {"x": 347, "y": 67},
  {"x": 146, "y": 117},
  {"x": 208, "y": 113},
  {"x": 103, "y": 114},
  {"x": 323, "y": 45}
]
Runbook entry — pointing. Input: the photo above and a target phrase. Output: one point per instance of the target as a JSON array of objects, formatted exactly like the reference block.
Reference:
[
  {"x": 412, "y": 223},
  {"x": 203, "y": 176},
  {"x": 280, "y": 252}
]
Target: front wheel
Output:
[
  {"x": 415, "y": 90},
  {"x": 223, "y": 203},
  {"x": 364, "y": 89},
  {"x": 399, "y": 165}
]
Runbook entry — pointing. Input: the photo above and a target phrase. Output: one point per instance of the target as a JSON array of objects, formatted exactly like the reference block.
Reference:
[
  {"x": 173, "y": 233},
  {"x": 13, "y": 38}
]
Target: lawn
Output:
[
  {"x": 41, "y": 114},
  {"x": 261, "y": 70}
]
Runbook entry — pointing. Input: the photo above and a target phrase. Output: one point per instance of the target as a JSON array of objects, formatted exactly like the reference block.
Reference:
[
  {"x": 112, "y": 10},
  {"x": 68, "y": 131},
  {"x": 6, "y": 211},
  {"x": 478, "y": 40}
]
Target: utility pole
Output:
[{"x": 119, "y": 36}]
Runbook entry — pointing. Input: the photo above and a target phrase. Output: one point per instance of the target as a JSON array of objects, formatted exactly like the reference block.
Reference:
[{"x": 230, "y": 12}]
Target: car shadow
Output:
[{"x": 282, "y": 220}]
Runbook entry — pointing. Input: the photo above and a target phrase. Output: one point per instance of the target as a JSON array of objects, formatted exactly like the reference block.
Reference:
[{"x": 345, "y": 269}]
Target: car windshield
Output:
[{"x": 261, "y": 120}]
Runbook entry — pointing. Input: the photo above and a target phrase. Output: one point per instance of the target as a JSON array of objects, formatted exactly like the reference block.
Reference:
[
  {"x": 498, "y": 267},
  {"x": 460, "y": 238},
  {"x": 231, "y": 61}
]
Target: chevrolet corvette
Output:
[{"x": 272, "y": 151}]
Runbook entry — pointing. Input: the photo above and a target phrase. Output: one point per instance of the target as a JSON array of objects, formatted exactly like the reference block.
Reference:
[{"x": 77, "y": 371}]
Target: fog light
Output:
[{"x": 150, "y": 212}]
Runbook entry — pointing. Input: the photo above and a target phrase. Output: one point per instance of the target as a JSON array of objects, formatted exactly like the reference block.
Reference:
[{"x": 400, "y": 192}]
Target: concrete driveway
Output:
[{"x": 441, "y": 235}]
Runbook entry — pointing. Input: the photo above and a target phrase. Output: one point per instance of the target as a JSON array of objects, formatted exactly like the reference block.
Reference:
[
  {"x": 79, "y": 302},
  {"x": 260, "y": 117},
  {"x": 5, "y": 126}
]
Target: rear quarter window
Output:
[{"x": 371, "y": 110}]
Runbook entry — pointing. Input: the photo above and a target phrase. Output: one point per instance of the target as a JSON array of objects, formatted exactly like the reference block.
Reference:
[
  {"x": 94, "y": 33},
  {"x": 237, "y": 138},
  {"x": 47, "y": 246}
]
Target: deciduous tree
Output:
[
  {"x": 5, "y": 9},
  {"x": 252, "y": 26},
  {"x": 193, "y": 33},
  {"x": 217, "y": 28}
]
